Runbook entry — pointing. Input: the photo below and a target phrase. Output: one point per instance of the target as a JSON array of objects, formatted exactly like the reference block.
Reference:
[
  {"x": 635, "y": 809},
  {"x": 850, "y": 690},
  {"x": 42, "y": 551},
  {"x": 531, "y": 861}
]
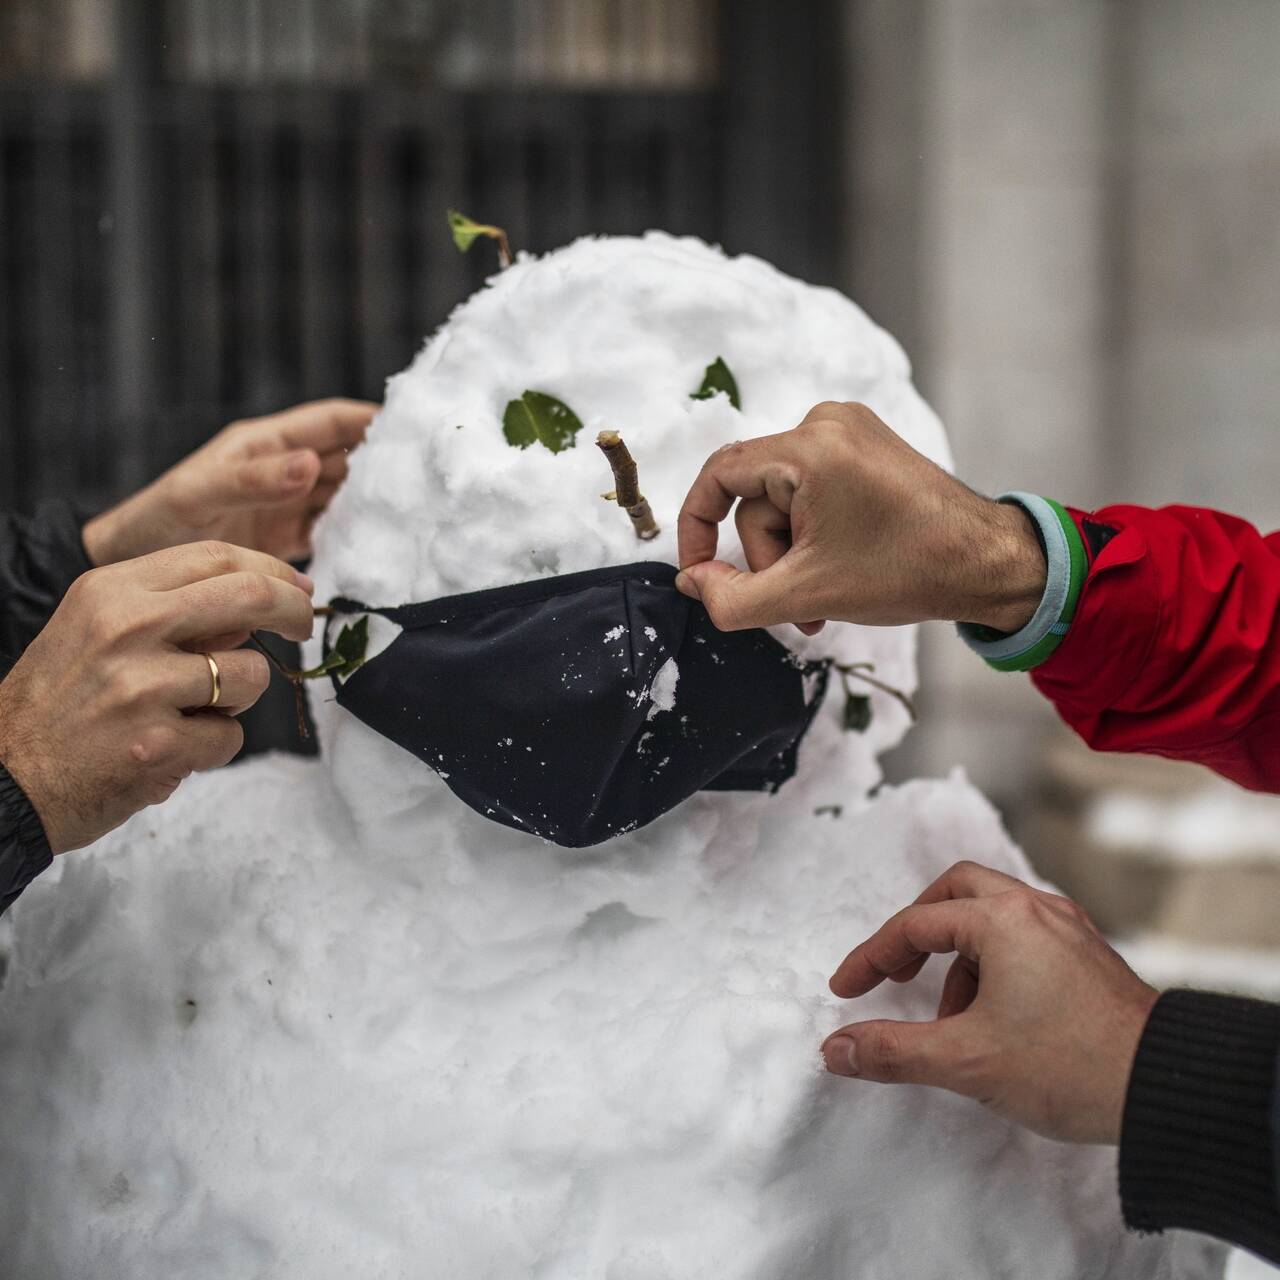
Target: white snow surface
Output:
[
  {"x": 318, "y": 1020},
  {"x": 662, "y": 692}
]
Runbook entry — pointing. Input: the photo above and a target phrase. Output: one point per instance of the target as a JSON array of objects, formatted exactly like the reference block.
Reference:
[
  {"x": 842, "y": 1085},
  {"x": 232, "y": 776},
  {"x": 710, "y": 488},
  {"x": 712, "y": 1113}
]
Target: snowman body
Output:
[{"x": 321, "y": 1019}]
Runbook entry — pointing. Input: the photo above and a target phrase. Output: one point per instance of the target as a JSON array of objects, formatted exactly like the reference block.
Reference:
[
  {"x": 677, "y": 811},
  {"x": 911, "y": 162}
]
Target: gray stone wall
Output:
[{"x": 1069, "y": 211}]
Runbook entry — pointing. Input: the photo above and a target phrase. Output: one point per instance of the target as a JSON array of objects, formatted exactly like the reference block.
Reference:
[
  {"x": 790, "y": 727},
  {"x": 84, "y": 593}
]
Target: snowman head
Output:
[{"x": 443, "y": 501}]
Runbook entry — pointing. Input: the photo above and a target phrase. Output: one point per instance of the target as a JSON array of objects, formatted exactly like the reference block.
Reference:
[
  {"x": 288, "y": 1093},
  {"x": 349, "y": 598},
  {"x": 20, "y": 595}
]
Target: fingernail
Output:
[
  {"x": 305, "y": 582},
  {"x": 296, "y": 471},
  {"x": 841, "y": 1056},
  {"x": 685, "y": 584}
]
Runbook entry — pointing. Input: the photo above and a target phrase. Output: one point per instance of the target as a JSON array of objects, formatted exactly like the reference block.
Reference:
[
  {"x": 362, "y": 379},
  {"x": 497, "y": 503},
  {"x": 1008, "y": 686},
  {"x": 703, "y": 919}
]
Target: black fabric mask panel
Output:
[{"x": 533, "y": 702}]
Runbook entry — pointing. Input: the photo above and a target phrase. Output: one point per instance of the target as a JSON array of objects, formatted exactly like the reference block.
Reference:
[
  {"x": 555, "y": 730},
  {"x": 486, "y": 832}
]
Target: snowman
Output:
[{"x": 418, "y": 1009}]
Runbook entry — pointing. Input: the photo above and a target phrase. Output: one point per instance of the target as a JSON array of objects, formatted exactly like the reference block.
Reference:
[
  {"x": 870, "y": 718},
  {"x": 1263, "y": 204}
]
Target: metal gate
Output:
[{"x": 215, "y": 209}]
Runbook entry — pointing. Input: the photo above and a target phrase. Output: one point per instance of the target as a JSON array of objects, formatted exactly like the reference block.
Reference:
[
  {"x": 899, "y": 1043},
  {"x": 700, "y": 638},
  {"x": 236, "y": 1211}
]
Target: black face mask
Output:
[{"x": 535, "y": 703}]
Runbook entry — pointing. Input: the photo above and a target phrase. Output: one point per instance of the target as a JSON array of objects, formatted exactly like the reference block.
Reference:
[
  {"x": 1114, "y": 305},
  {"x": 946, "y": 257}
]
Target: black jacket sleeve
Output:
[
  {"x": 1198, "y": 1142},
  {"x": 24, "y": 851},
  {"x": 40, "y": 557}
]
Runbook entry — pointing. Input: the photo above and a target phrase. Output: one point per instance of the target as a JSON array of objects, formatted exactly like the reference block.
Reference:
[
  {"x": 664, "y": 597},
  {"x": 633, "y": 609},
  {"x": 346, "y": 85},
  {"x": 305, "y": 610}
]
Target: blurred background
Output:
[{"x": 1068, "y": 211}]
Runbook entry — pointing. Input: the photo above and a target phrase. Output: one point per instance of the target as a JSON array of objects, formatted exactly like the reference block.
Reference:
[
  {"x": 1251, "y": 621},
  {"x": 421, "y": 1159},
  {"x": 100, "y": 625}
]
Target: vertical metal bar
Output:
[
  {"x": 1120, "y": 88},
  {"x": 445, "y": 182},
  {"x": 318, "y": 226},
  {"x": 194, "y": 199},
  {"x": 783, "y": 133},
  {"x": 253, "y": 132},
  {"x": 131, "y": 275},
  {"x": 375, "y": 244},
  {"x": 8, "y": 246},
  {"x": 52, "y": 263}
]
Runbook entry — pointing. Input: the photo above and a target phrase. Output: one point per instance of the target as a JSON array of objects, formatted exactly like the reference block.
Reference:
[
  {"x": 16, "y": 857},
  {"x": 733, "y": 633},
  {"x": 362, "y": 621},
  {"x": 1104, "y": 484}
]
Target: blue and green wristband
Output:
[{"x": 1067, "y": 564}]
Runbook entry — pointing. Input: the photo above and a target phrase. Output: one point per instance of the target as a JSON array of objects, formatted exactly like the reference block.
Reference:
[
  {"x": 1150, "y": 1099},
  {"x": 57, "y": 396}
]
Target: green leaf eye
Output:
[
  {"x": 537, "y": 416},
  {"x": 718, "y": 377}
]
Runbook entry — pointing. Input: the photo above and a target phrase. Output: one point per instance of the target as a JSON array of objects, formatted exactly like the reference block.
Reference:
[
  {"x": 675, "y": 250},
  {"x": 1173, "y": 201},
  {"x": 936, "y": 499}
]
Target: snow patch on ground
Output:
[{"x": 1211, "y": 824}]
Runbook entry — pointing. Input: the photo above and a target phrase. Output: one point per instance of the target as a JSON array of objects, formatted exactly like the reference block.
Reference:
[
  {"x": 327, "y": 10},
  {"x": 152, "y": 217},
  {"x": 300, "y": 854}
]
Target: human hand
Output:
[
  {"x": 1039, "y": 1018},
  {"x": 108, "y": 709},
  {"x": 260, "y": 484},
  {"x": 841, "y": 518}
]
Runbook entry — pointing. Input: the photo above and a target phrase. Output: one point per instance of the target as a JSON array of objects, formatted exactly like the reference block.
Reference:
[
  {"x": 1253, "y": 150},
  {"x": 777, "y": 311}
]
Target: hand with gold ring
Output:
[
  {"x": 215, "y": 675},
  {"x": 136, "y": 681}
]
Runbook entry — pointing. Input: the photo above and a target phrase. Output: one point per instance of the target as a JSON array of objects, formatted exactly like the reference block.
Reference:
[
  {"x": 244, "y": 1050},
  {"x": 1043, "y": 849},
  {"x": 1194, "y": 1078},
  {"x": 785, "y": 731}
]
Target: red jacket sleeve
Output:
[{"x": 1174, "y": 649}]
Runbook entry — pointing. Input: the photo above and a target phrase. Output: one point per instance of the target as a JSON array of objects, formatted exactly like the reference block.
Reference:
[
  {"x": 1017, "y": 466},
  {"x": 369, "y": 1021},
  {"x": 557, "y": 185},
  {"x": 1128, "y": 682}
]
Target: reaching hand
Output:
[
  {"x": 1039, "y": 1018},
  {"x": 259, "y": 483},
  {"x": 841, "y": 518},
  {"x": 108, "y": 709}
]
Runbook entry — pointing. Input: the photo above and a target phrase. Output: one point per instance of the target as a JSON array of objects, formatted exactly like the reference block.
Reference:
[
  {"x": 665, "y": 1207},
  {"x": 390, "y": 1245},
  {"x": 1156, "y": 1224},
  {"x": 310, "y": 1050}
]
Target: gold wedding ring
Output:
[{"x": 216, "y": 676}]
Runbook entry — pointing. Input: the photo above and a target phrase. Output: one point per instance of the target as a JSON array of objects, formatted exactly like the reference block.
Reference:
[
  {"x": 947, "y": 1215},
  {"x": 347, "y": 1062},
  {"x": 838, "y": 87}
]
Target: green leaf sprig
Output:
[
  {"x": 346, "y": 657},
  {"x": 717, "y": 378},
  {"x": 466, "y": 231},
  {"x": 539, "y": 418},
  {"x": 857, "y": 714}
]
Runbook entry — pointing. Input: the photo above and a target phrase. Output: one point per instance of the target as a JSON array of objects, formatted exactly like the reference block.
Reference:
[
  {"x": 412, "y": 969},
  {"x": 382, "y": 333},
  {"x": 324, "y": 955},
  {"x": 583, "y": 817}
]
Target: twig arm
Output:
[{"x": 626, "y": 482}]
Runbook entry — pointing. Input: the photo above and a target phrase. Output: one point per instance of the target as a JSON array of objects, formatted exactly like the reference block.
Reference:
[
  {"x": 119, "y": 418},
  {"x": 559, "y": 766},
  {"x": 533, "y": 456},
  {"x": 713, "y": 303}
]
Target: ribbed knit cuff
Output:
[
  {"x": 1067, "y": 565},
  {"x": 24, "y": 850},
  {"x": 1196, "y": 1146}
]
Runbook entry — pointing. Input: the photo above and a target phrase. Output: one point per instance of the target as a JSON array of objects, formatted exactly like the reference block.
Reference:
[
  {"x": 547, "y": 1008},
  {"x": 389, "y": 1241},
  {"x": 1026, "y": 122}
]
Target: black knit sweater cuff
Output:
[
  {"x": 24, "y": 849},
  {"x": 1196, "y": 1143}
]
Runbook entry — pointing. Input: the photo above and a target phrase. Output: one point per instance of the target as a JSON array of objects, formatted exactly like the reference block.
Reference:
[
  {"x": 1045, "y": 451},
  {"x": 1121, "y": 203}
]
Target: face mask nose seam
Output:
[{"x": 631, "y": 631}]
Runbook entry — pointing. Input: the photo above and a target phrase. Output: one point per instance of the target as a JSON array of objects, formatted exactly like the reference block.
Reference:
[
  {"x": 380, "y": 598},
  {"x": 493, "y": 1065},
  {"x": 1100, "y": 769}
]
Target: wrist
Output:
[
  {"x": 1009, "y": 571},
  {"x": 22, "y": 838},
  {"x": 21, "y": 786},
  {"x": 1064, "y": 568}
]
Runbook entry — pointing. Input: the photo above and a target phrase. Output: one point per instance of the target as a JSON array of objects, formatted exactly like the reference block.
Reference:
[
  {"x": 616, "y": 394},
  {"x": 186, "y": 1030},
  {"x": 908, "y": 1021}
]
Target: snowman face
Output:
[{"x": 438, "y": 502}]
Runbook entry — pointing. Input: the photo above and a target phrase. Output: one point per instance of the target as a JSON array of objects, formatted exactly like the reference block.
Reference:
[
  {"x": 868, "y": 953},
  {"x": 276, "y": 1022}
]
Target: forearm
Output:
[
  {"x": 1197, "y": 1146},
  {"x": 40, "y": 557},
  {"x": 24, "y": 850},
  {"x": 1167, "y": 640}
]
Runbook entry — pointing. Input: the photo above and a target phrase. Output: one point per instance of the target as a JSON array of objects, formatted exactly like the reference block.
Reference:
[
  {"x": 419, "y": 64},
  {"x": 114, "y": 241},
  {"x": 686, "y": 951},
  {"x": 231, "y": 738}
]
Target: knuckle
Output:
[
  {"x": 158, "y": 790},
  {"x": 884, "y": 1051},
  {"x": 85, "y": 588},
  {"x": 256, "y": 593},
  {"x": 106, "y": 624},
  {"x": 156, "y": 746},
  {"x": 229, "y": 740},
  {"x": 1025, "y": 906},
  {"x": 257, "y": 673},
  {"x": 723, "y": 613},
  {"x": 220, "y": 557},
  {"x": 829, "y": 410},
  {"x": 129, "y": 685}
]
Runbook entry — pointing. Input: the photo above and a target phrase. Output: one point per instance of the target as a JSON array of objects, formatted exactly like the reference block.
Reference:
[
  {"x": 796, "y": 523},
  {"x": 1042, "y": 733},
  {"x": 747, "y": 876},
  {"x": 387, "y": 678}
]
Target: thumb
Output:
[
  {"x": 899, "y": 1052},
  {"x": 735, "y": 599},
  {"x": 275, "y": 478}
]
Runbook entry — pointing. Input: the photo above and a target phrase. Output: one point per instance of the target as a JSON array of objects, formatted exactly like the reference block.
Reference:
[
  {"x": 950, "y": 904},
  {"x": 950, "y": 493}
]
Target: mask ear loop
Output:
[{"x": 296, "y": 678}]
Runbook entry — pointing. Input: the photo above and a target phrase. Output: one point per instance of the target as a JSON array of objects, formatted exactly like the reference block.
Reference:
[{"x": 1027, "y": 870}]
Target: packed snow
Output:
[{"x": 321, "y": 1020}]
